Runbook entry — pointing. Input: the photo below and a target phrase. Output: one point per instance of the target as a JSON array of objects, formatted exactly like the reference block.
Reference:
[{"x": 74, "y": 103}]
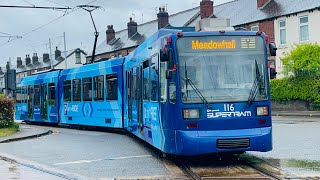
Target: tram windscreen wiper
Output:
[
  {"x": 257, "y": 85},
  {"x": 194, "y": 87}
]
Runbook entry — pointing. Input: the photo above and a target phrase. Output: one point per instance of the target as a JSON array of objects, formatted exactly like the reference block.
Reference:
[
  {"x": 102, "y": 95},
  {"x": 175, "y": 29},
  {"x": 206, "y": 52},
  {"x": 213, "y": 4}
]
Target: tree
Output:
[{"x": 303, "y": 60}]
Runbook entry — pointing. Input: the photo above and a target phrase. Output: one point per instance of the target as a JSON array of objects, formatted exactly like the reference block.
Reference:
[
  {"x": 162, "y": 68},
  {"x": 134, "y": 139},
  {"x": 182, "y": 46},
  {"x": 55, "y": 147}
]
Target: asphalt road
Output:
[
  {"x": 296, "y": 145},
  {"x": 90, "y": 154}
]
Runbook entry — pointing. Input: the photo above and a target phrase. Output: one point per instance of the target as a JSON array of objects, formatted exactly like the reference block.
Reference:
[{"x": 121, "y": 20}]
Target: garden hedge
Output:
[
  {"x": 6, "y": 113},
  {"x": 304, "y": 88}
]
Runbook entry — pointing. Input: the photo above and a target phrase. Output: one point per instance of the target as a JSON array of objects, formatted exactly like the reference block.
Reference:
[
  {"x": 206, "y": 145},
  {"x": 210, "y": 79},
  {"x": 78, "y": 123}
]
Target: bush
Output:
[
  {"x": 2, "y": 95},
  {"x": 303, "y": 59},
  {"x": 6, "y": 113},
  {"x": 305, "y": 88}
]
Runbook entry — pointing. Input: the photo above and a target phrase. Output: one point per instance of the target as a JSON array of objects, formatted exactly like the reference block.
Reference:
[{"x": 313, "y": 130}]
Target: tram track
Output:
[{"x": 226, "y": 168}]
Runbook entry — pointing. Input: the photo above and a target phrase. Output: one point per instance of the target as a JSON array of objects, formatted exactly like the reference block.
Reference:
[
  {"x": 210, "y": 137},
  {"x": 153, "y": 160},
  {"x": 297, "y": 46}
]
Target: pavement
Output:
[
  {"x": 26, "y": 132},
  {"x": 296, "y": 113}
]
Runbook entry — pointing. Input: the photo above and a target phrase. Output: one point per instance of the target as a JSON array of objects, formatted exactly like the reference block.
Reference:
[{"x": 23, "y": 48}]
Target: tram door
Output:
[
  {"x": 44, "y": 102},
  {"x": 30, "y": 102},
  {"x": 139, "y": 98}
]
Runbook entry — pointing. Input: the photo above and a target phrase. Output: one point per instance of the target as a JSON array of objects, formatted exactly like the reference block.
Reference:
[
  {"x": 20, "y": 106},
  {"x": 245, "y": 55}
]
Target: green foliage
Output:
[
  {"x": 6, "y": 113},
  {"x": 305, "y": 88},
  {"x": 303, "y": 59},
  {"x": 2, "y": 95}
]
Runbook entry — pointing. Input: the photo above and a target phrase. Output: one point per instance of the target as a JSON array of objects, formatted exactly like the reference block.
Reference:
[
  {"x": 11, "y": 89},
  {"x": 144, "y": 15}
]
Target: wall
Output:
[
  {"x": 71, "y": 62},
  {"x": 293, "y": 35}
]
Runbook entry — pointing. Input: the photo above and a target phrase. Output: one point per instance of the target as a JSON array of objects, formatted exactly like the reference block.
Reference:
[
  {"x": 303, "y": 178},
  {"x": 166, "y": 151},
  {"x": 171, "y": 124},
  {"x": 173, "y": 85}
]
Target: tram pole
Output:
[{"x": 65, "y": 50}]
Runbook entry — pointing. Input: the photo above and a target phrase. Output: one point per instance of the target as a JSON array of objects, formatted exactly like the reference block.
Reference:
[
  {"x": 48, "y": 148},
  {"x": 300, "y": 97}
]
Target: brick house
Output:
[{"x": 254, "y": 15}]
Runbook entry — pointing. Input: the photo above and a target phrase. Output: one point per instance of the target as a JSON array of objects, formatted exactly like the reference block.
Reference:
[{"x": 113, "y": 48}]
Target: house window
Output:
[
  {"x": 78, "y": 56},
  {"x": 304, "y": 28},
  {"x": 254, "y": 28},
  {"x": 283, "y": 32}
]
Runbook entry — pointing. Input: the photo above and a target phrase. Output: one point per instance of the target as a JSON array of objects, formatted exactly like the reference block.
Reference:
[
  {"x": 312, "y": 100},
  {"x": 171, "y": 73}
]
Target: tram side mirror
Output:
[
  {"x": 273, "y": 49},
  {"x": 163, "y": 56},
  {"x": 166, "y": 55},
  {"x": 171, "y": 66}
]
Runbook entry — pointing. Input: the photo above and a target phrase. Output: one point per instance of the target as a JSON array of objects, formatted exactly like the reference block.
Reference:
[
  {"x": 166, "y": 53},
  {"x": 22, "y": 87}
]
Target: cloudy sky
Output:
[{"x": 76, "y": 23}]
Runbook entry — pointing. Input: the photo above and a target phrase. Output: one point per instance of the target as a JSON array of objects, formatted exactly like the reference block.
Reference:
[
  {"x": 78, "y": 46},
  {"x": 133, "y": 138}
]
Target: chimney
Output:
[
  {"x": 163, "y": 18},
  {"x": 132, "y": 28},
  {"x": 46, "y": 57},
  {"x": 206, "y": 8},
  {"x": 35, "y": 58},
  {"x": 8, "y": 65},
  {"x": 28, "y": 60},
  {"x": 111, "y": 34},
  {"x": 262, "y": 3},
  {"x": 19, "y": 62},
  {"x": 57, "y": 53}
]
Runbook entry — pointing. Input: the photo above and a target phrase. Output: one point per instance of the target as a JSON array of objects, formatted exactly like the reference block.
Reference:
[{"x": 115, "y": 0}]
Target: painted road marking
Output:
[{"x": 96, "y": 160}]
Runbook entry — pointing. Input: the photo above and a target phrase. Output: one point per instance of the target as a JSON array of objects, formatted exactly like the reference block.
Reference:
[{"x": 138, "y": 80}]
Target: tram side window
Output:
[
  {"x": 44, "y": 94},
  {"x": 24, "y": 94},
  {"x": 36, "y": 95},
  {"x": 154, "y": 73},
  {"x": 76, "y": 89},
  {"x": 52, "y": 94},
  {"x": 98, "y": 88},
  {"x": 146, "y": 80},
  {"x": 163, "y": 81},
  {"x": 87, "y": 89},
  {"x": 134, "y": 87},
  {"x": 30, "y": 95},
  {"x": 67, "y": 90},
  {"x": 19, "y": 95},
  {"x": 112, "y": 87}
]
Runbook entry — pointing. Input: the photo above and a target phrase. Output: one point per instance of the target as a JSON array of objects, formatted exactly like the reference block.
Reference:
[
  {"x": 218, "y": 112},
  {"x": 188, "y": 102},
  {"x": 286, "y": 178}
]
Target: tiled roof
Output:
[
  {"x": 245, "y": 11},
  {"x": 40, "y": 64},
  {"x": 238, "y": 11},
  {"x": 144, "y": 31}
]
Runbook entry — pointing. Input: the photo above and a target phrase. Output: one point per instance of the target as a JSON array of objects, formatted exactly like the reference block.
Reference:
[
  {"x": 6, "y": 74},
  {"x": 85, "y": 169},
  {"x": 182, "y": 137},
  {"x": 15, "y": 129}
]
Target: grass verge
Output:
[{"x": 9, "y": 130}]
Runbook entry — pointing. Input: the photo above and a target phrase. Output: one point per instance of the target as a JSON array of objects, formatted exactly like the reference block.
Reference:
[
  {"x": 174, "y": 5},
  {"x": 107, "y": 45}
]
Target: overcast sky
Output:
[{"x": 77, "y": 24}]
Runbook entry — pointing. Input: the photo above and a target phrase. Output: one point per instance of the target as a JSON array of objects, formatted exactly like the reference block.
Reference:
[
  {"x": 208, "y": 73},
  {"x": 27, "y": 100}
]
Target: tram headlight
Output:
[
  {"x": 191, "y": 113},
  {"x": 262, "y": 111}
]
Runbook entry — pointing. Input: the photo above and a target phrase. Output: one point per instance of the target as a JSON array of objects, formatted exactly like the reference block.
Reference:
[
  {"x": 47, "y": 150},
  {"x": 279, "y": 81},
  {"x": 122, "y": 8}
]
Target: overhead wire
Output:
[
  {"x": 29, "y": 3},
  {"x": 66, "y": 13},
  {"x": 56, "y": 3}
]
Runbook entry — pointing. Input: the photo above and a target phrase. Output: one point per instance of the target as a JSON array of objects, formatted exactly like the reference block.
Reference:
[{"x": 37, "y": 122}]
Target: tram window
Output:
[
  {"x": 98, "y": 88},
  {"x": 52, "y": 94},
  {"x": 19, "y": 95},
  {"x": 128, "y": 86},
  {"x": 36, "y": 95},
  {"x": 87, "y": 89},
  {"x": 67, "y": 90},
  {"x": 76, "y": 89},
  {"x": 134, "y": 87},
  {"x": 24, "y": 94},
  {"x": 163, "y": 81},
  {"x": 44, "y": 93},
  {"x": 112, "y": 87},
  {"x": 146, "y": 80},
  {"x": 30, "y": 92},
  {"x": 154, "y": 74}
]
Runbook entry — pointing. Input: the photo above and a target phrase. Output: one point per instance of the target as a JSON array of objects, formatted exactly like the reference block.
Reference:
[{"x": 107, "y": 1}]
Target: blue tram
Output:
[{"x": 185, "y": 93}]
